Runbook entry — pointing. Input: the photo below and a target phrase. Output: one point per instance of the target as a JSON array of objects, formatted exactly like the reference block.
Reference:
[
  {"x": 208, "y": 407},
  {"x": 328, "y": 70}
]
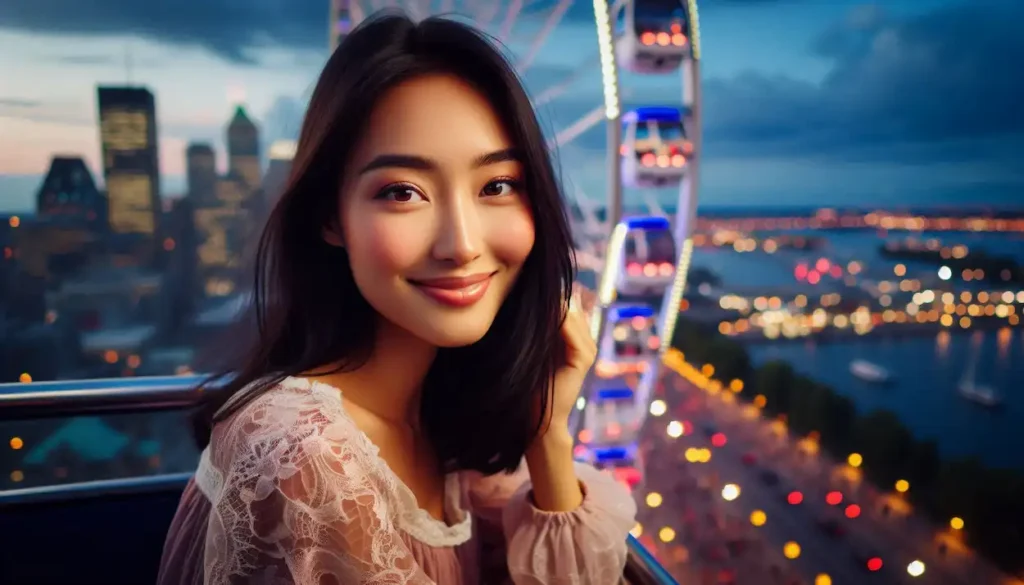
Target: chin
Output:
[{"x": 452, "y": 331}]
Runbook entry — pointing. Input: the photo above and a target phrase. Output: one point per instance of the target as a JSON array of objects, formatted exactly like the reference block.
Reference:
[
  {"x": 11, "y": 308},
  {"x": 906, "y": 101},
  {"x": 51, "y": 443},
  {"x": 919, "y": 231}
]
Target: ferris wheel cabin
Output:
[
  {"x": 655, "y": 148},
  {"x": 647, "y": 261},
  {"x": 652, "y": 36},
  {"x": 633, "y": 336}
]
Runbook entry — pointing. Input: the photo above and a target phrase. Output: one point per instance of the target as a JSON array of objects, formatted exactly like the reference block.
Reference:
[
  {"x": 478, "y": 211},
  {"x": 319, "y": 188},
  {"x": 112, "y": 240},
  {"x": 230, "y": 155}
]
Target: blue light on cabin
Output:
[
  {"x": 620, "y": 313},
  {"x": 611, "y": 454},
  {"x": 647, "y": 223},
  {"x": 614, "y": 394},
  {"x": 658, "y": 114}
]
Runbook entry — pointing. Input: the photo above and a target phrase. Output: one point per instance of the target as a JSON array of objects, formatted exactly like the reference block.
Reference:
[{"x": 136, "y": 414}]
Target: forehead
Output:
[{"x": 436, "y": 116}]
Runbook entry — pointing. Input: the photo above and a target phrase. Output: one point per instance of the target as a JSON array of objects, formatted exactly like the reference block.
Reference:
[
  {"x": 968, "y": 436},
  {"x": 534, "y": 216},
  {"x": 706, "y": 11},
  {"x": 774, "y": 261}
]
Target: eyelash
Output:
[{"x": 513, "y": 183}]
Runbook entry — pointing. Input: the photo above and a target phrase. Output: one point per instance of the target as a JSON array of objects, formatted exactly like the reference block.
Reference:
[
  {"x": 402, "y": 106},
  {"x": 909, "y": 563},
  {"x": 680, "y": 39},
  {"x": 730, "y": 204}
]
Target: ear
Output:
[{"x": 332, "y": 236}]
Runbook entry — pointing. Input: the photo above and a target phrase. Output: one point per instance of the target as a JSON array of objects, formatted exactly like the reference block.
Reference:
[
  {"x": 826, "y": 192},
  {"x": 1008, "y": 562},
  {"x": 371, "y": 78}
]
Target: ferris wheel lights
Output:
[{"x": 679, "y": 39}]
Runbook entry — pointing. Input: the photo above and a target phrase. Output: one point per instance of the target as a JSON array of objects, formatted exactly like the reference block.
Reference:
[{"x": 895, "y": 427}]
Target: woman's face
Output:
[{"x": 433, "y": 214}]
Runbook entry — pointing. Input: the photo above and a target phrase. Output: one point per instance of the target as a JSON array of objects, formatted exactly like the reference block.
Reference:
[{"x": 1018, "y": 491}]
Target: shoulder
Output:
[{"x": 290, "y": 420}]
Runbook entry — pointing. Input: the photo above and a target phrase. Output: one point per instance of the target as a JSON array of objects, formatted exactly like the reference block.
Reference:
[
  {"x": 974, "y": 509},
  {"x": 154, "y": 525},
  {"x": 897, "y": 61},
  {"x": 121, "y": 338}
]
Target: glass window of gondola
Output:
[
  {"x": 643, "y": 131},
  {"x": 659, "y": 16}
]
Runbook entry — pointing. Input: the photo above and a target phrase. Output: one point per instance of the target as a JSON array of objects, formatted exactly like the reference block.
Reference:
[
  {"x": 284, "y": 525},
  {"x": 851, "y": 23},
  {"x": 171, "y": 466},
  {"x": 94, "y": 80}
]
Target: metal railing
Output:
[{"x": 47, "y": 400}]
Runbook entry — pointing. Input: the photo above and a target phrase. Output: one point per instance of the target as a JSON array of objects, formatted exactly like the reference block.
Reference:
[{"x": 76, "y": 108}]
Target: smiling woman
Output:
[{"x": 416, "y": 338}]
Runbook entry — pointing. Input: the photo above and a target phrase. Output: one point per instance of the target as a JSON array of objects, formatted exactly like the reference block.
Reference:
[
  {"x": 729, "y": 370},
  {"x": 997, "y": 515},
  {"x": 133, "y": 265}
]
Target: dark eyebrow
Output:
[{"x": 419, "y": 163}]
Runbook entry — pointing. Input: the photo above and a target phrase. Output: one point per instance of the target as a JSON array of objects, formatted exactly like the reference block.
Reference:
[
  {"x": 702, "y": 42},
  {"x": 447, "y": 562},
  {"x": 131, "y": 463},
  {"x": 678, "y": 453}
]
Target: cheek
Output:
[
  {"x": 512, "y": 237},
  {"x": 382, "y": 247}
]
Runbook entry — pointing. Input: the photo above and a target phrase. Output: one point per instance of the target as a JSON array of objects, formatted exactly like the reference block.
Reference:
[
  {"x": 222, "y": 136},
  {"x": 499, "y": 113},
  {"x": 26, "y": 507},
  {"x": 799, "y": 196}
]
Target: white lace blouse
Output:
[{"x": 291, "y": 492}]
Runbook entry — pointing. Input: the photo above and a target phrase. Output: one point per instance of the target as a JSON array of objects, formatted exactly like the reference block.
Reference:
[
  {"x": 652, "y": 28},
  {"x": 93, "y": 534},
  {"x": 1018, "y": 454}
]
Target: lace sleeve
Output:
[
  {"x": 583, "y": 546},
  {"x": 298, "y": 502}
]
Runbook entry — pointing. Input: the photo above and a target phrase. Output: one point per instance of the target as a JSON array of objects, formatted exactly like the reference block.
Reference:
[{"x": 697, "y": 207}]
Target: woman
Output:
[{"x": 414, "y": 342}]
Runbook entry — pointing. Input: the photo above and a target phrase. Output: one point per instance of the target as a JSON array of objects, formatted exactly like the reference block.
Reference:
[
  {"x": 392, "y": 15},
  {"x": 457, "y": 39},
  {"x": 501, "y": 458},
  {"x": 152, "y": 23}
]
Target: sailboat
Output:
[{"x": 978, "y": 393}]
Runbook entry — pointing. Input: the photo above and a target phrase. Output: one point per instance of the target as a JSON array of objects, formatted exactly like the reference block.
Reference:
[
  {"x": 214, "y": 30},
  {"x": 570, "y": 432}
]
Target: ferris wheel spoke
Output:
[
  {"x": 555, "y": 17},
  {"x": 514, "y": 8},
  {"x": 588, "y": 121},
  {"x": 556, "y": 91}
]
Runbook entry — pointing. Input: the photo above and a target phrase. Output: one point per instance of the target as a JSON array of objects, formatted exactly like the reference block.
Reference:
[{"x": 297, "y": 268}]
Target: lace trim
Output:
[{"x": 407, "y": 514}]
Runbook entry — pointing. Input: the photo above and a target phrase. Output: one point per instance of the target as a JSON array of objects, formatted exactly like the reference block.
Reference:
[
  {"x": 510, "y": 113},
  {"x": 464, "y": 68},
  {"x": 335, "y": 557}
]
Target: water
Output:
[
  {"x": 927, "y": 368},
  {"x": 924, "y": 394}
]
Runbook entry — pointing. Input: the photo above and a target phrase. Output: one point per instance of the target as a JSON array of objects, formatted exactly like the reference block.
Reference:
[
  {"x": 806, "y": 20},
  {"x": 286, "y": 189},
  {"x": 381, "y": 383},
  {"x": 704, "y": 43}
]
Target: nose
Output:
[{"x": 459, "y": 238}]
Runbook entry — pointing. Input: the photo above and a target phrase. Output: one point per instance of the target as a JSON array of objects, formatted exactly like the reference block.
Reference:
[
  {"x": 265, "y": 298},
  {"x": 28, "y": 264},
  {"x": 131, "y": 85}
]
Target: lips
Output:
[{"x": 455, "y": 291}]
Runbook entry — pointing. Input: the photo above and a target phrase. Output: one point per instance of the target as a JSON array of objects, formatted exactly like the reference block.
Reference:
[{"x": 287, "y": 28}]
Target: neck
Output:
[{"x": 389, "y": 384}]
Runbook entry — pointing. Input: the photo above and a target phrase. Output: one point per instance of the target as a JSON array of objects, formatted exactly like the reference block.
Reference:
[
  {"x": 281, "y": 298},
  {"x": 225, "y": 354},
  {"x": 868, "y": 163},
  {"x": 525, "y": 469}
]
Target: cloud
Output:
[
  {"x": 227, "y": 28},
  {"x": 17, "y": 103},
  {"x": 926, "y": 86}
]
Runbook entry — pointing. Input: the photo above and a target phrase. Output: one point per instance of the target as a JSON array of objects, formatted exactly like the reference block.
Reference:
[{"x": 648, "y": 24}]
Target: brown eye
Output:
[
  {"x": 399, "y": 194},
  {"x": 499, "y": 188}
]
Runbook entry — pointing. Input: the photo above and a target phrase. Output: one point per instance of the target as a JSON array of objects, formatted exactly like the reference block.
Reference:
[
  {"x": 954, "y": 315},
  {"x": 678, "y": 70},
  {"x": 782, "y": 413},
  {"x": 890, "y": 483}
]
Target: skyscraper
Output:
[
  {"x": 201, "y": 167},
  {"x": 281, "y": 154},
  {"x": 68, "y": 191},
  {"x": 244, "y": 149},
  {"x": 131, "y": 170}
]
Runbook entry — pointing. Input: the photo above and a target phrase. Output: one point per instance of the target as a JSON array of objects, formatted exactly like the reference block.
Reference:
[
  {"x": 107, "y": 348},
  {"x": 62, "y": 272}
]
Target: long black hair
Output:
[{"x": 479, "y": 402}]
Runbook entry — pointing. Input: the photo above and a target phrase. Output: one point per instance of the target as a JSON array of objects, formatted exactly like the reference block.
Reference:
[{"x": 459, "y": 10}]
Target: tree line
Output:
[{"x": 989, "y": 500}]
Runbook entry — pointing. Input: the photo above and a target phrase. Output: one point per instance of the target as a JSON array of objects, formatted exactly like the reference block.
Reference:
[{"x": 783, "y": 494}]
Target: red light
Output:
[
  {"x": 822, "y": 265},
  {"x": 648, "y": 159},
  {"x": 634, "y": 269},
  {"x": 687, "y": 427},
  {"x": 718, "y": 440},
  {"x": 813, "y": 277},
  {"x": 801, "y": 271},
  {"x": 836, "y": 272},
  {"x": 834, "y": 498},
  {"x": 874, "y": 564},
  {"x": 648, "y": 38},
  {"x": 795, "y": 498},
  {"x": 852, "y": 511}
]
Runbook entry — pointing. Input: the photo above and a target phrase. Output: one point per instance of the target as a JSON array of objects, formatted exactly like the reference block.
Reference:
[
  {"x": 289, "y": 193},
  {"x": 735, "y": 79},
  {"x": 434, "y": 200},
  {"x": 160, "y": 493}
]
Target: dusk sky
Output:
[{"x": 806, "y": 101}]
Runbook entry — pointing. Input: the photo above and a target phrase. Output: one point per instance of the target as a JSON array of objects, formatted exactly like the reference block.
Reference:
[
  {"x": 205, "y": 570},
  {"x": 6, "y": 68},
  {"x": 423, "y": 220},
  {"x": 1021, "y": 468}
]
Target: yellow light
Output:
[
  {"x": 902, "y": 486},
  {"x": 791, "y": 550},
  {"x": 654, "y": 499},
  {"x": 674, "y": 429},
  {"x": 17, "y": 475},
  {"x": 637, "y": 530},
  {"x": 666, "y": 534},
  {"x": 915, "y": 569},
  {"x": 855, "y": 460},
  {"x": 736, "y": 385},
  {"x": 692, "y": 455},
  {"x": 25, "y": 378},
  {"x": 730, "y": 492},
  {"x": 758, "y": 518},
  {"x": 17, "y": 443},
  {"x": 823, "y": 579},
  {"x": 956, "y": 523},
  {"x": 658, "y": 408}
]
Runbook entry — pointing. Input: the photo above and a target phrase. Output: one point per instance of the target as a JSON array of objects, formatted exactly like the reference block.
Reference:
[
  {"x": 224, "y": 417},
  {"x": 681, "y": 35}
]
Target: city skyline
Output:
[{"x": 784, "y": 114}]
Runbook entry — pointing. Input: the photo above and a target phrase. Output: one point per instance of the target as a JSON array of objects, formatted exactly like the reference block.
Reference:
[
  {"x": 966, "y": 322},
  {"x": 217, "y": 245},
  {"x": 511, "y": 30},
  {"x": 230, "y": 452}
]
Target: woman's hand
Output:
[{"x": 578, "y": 357}]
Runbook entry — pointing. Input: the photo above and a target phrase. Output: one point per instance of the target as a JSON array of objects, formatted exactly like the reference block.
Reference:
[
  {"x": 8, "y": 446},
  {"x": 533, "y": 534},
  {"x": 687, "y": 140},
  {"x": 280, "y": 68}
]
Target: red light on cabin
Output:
[
  {"x": 874, "y": 564},
  {"x": 852, "y": 511},
  {"x": 834, "y": 498},
  {"x": 718, "y": 440},
  {"x": 795, "y": 498}
]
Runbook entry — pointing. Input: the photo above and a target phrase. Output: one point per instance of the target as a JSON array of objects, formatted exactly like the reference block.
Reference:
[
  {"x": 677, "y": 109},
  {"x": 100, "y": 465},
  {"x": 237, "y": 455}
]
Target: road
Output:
[{"x": 898, "y": 540}]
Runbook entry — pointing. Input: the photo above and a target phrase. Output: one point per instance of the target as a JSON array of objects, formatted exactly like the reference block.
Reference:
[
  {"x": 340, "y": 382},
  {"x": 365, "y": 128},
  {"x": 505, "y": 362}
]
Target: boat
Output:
[
  {"x": 968, "y": 387},
  {"x": 870, "y": 372}
]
